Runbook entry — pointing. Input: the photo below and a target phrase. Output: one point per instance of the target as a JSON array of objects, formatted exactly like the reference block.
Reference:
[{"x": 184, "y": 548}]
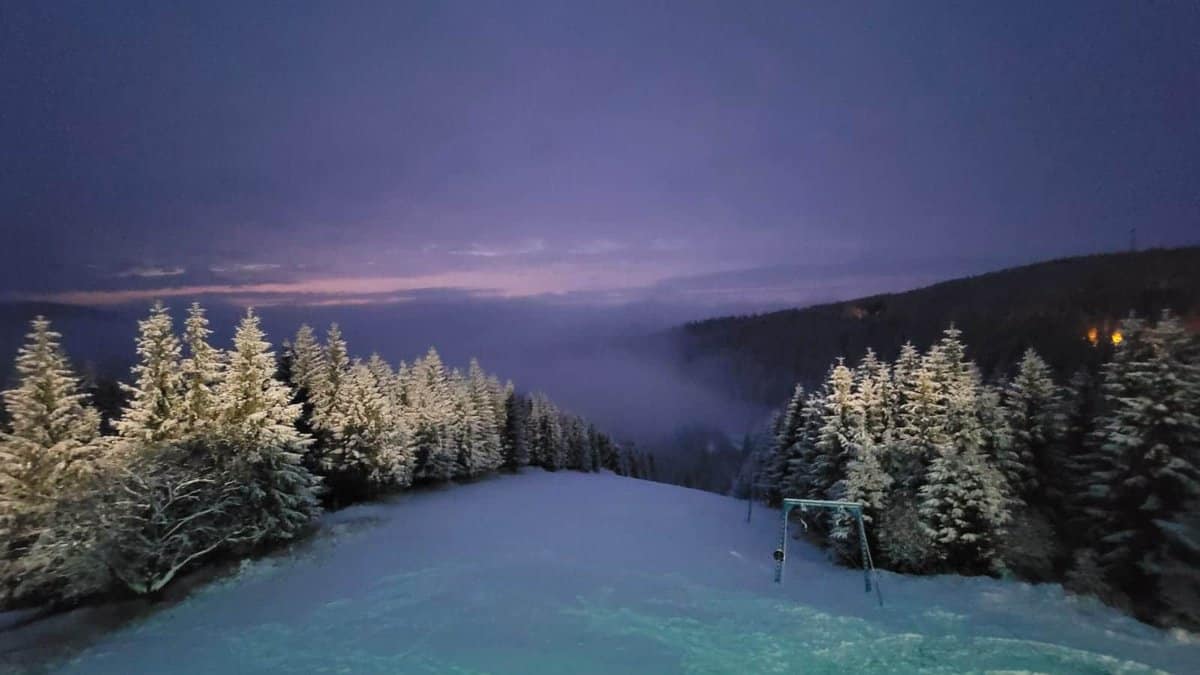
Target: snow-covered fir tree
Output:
[
  {"x": 609, "y": 453},
  {"x": 385, "y": 379},
  {"x": 776, "y": 474},
  {"x": 920, "y": 426},
  {"x": 200, "y": 372},
  {"x": 47, "y": 406},
  {"x": 307, "y": 360},
  {"x": 326, "y": 383},
  {"x": 835, "y": 440},
  {"x": 545, "y": 437},
  {"x": 904, "y": 375},
  {"x": 515, "y": 445},
  {"x": 1031, "y": 409},
  {"x": 866, "y": 481},
  {"x": 154, "y": 413},
  {"x": 803, "y": 456},
  {"x": 873, "y": 398},
  {"x": 369, "y": 451},
  {"x": 47, "y": 452},
  {"x": 963, "y": 504},
  {"x": 595, "y": 448},
  {"x": 482, "y": 428},
  {"x": 256, "y": 424},
  {"x": 1145, "y": 486},
  {"x": 995, "y": 434},
  {"x": 963, "y": 508},
  {"x": 576, "y": 440},
  {"x": 431, "y": 407}
]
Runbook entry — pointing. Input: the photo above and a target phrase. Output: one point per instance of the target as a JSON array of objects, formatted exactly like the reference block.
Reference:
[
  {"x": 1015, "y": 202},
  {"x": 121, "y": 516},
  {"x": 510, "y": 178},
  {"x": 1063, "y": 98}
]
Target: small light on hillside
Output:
[
  {"x": 1093, "y": 335},
  {"x": 1117, "y": 338}
]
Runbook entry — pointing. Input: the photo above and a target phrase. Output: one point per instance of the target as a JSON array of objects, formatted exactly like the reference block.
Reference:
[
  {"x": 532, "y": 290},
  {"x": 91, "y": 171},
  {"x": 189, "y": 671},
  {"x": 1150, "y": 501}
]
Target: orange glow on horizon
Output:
[
  {"x": 1093, "y": 335},
  {"x": 510, "y": 283}
]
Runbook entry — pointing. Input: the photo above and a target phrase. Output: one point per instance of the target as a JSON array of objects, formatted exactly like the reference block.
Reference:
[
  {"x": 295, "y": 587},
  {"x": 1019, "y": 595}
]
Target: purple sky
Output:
[{"x": 711, "y": 154}]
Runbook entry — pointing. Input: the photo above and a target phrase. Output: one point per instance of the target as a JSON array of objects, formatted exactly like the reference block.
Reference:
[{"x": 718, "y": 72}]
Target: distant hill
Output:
[{"x": 1050, "y": 306}]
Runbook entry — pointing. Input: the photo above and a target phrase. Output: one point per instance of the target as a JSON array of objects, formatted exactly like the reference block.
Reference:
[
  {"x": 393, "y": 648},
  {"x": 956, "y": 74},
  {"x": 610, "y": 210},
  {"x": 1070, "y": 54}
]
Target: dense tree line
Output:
[
  {"x": 1096, "y": 483},
  {"x": 225, "y": 452}
]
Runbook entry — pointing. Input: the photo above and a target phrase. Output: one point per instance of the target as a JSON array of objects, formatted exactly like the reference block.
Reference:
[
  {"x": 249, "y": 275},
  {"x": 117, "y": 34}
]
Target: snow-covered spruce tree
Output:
[
  {"x": 480, "y": 423},
  {"x": 1021, "y": 421},
  {"x": 834, "y": 445},
  {"x": 499, "y": 395},
  {"x": 962, "y": 509},
  {"x": 963, "y": 505},
  {"x": 918, "y": 424},
  {"x": 595, "y": 448},
  {"x": 154, "y": 414},
  {"x": 259, "y": 441},
  {"x": 48, "y": 453},
  {"x": 958, "y": 385},
  {"x": 865, "y": 480},
  {"x": 369, "y": 451},
  {"x": 546, "y": 437},
  {"x": 995, "y": 434},
  {"x": 777, "y": 473},
  {"x": 1147, "y": 482},
  {"x": 462, "y": 427},
  {"x": 608, "y": 453},
  {"x": 385, "y": 379},
  {"x": 430, "y": 408},
  {"x": 1031, "y": 408},
  {"x": 904, "y": 377},
  {"x": 1078, "y": 457},
  {"x": 326, "y": 385},
  {"x": 47, "y": 407},
  {"x": 200, "y": 372},
  {"x": 515, "y": 447},
  {"x": 803, "y": 464},
  {"x": 490, "y": 388},
  {"x": 919, "y": 427},
  {"x": 403, "y": 383},
  {"x": 308, "y": 360},
  {"x": 873, "y": 396},
  {"x": 576, "y": 440}
]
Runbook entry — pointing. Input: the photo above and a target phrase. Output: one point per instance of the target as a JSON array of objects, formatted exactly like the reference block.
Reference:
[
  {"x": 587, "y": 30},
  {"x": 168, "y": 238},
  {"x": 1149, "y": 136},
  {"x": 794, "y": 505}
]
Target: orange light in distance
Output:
[
  {"x": 1117, "y": 338},
  {"x": 1093, "y": 335}
]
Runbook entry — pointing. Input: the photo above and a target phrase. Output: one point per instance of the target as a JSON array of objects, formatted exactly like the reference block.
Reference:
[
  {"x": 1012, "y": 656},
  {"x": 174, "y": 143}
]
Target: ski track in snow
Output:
[{"x": 584, "y": 573}]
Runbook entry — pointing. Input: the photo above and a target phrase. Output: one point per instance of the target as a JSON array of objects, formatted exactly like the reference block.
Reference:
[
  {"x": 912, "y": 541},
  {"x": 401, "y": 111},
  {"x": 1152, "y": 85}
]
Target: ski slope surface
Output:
[{"x": 583, "y": 573}]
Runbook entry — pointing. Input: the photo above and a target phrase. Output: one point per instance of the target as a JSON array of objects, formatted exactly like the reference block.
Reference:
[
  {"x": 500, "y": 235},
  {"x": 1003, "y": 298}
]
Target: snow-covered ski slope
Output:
[{"x": 577, "y": 573}]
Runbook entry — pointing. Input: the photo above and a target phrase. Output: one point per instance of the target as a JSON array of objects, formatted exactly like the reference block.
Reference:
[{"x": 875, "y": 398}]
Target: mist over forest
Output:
[{"x": 596, "y": 361}]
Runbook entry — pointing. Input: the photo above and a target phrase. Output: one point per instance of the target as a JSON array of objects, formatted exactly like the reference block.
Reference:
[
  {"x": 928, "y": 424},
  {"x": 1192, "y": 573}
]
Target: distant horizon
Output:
[{"x": 714, "y": 290}]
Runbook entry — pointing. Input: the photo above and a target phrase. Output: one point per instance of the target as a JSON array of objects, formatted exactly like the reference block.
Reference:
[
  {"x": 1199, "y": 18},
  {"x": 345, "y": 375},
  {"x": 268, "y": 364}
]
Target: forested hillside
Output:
[
  {"x": 1050, "y": 306},
  {"x": 1094, "y": 481}
]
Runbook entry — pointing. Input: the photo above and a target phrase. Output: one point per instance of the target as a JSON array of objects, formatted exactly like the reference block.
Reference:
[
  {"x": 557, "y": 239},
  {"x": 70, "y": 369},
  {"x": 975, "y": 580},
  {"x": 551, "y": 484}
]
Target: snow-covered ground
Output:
[{"x": 578, "y": 573}]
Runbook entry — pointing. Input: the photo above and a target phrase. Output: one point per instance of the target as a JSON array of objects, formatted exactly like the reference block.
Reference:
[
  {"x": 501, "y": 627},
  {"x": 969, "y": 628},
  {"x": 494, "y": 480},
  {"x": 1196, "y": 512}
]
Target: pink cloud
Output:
[{"x": 508, "y": 283}]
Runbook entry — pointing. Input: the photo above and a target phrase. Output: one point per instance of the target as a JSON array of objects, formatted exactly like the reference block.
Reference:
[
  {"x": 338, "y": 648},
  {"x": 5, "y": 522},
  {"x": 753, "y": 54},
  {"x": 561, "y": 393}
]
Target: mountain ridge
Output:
[{"x": 1050, "y": 306}]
